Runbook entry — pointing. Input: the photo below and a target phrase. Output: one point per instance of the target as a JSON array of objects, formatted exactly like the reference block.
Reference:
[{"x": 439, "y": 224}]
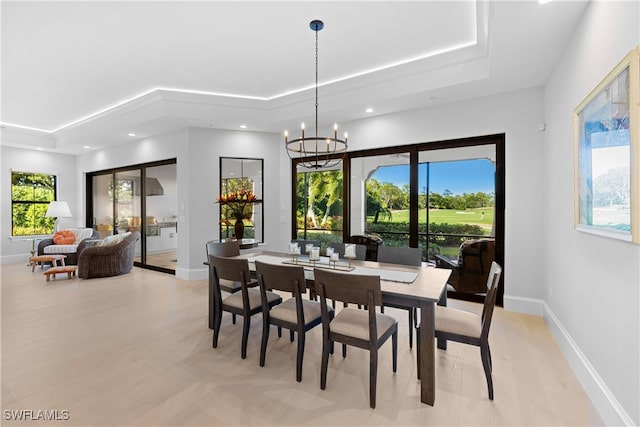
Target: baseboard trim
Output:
[
  {"x": 14, "y": 259},
  {"x": 192, "y": 274},
  {"x": 610, "y": 409},
  {"x": 524, "y": 305}
]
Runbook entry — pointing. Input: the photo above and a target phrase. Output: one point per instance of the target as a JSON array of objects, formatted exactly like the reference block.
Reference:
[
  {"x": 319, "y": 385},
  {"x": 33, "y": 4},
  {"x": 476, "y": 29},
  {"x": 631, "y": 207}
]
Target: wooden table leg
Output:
[{"x": 426, "y": 353}]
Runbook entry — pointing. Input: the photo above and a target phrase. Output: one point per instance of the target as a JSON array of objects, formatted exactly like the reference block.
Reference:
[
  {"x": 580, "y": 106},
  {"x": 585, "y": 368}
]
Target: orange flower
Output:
[{"x": 237, "y": 202}]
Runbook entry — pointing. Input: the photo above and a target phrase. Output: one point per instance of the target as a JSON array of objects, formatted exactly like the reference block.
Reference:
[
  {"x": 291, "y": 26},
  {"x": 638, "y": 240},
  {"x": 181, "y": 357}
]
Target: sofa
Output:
[
  {"x": 49, "y": 247},
  {"x": 112, "y": 256}
]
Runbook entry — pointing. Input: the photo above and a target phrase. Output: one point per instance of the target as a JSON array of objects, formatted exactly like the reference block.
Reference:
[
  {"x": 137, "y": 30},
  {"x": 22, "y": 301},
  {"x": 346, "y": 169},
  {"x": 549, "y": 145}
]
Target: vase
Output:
[{"x": 238, "y": 227}]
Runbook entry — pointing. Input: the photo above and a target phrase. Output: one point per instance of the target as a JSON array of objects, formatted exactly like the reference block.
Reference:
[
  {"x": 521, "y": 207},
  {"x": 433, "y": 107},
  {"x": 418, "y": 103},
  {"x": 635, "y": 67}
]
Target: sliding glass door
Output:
[
  {"x": 140, "y": 198},
  {"x": 160, "y": 218},
  {"x": 456, "y": 198},
  {"x": 434, "y": 196},
  {"x": 380, "y": 197}
]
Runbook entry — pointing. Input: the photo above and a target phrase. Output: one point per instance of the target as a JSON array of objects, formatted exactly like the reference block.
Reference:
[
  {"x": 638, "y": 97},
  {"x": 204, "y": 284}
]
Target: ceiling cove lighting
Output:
[{"x": 316, "y": 151}]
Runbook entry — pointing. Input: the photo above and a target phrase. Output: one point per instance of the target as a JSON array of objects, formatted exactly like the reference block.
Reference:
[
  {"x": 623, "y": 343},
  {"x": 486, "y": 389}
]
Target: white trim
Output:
[
  {"x": 192, "y": 274},
  {"x": 15, "y": 259},
  {"x": 524, "y": 305},
  {"x": 611, "y": 411}
]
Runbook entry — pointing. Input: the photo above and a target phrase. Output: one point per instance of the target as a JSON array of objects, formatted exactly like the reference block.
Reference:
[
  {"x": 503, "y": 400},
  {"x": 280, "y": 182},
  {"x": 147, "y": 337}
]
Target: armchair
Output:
[
  {"x": 471, "y": 269},
  {"x": 107, "y": 260}
]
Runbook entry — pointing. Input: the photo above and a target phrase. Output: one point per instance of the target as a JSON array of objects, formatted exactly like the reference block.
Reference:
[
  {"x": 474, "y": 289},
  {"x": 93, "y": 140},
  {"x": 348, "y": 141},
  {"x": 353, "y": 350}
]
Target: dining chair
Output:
[
  {"x": 245, "y": 303},
  {"x": 470, "y": 328},
  {"x": 295, "y": 314},
  {"x": 228, "y": 248},
  {"x": 404, "y": 256},
  {"x": 360, "y": 328}
]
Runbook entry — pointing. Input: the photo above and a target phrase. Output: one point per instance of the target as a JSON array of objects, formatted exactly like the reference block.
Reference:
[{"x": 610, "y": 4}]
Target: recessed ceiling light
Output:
[
  {"x": 39, "y": 148},
  {"x": 131, "y": 134},
  {"x": 86, "y": 147},
  {"x": 369, "y": 110},
  {"x": 243, "y": 126}
]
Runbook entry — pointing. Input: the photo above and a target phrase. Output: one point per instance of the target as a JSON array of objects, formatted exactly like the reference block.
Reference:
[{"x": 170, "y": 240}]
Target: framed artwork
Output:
[{"x": 607, "y": 155}]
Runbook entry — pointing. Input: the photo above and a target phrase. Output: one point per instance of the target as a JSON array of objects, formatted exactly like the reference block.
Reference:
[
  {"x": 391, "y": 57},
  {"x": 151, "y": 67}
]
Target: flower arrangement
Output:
[{"x": 239, "y": 203}]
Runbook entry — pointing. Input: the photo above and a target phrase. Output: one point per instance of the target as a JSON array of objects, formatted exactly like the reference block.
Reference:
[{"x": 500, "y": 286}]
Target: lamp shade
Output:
[{"x": 58, "y": 210}]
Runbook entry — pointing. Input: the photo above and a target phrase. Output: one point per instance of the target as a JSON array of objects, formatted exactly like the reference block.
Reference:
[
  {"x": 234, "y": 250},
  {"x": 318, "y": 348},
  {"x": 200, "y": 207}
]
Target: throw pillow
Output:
[
  {"x": 114, "y": 239},
  {"x": 111, "y": 240},
  {"x": 64, "y": 237}
]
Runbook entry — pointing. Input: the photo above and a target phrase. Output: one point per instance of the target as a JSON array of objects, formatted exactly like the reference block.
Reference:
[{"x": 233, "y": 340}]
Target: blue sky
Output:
[{"x": 465, "y": 176}]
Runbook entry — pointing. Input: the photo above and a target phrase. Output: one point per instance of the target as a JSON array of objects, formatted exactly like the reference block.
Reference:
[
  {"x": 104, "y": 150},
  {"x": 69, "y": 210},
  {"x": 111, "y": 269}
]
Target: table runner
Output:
[{"x": 385, "y": 274}]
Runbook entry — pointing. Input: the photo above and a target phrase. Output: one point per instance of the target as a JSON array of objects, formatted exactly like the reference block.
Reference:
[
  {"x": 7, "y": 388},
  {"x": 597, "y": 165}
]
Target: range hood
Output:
[{"x": 152, "y": 187}]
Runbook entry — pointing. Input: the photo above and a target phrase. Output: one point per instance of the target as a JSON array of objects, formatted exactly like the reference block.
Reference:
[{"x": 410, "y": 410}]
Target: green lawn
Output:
[{"x": 449, "y": 216}]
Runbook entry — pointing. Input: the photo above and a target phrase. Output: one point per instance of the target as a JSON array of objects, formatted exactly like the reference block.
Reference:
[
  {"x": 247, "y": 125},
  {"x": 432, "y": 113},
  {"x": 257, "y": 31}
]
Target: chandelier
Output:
[{"x": 317, "y": 152}]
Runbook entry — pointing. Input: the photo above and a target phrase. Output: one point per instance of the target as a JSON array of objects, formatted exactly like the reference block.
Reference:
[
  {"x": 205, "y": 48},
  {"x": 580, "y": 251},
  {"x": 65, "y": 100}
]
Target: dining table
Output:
[{"x": 408, "y": 286}]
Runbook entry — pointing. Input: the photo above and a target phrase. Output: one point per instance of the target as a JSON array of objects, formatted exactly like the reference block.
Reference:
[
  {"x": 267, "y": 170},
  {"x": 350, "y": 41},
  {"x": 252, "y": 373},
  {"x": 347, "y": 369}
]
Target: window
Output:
[
  {"x": 30, "y": 197},
  {"x": 319, "y": 209},
  {"x": 606, "y": 143},
  {"x": 241, "y": 180}
]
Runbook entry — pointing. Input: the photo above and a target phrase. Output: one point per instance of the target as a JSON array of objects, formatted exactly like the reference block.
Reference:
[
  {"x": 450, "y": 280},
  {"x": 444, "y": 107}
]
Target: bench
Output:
[{"x": 69, "y": 269}]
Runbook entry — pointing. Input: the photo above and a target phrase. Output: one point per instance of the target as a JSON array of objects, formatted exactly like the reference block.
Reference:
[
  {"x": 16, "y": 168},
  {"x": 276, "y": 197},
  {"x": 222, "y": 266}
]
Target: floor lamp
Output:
[{"x": 58, "y": 210}]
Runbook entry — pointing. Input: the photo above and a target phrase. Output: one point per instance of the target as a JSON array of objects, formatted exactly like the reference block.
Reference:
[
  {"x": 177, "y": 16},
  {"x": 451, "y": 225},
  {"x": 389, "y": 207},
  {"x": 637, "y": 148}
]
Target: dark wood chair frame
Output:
[
  {"x": 483, "y": 340},
  {"x": 228, "y": 248},
  {"x": 233, "y": 269},
  {"x": 404, "y": 256},
  {"x": 287, "y": 279},
  {"x": 356, "y": 289}
]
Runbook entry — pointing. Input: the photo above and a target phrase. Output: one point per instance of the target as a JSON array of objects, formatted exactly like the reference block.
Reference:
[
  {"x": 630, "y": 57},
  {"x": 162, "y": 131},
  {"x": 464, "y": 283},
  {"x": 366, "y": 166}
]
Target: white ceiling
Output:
[{"x": 90, "y": 73}]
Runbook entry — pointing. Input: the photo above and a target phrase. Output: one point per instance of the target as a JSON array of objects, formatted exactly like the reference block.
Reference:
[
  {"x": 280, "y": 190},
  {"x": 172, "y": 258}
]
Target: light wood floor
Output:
[
  {"x": 162, "y": 259},
  {"x": 135, "y": 350}
]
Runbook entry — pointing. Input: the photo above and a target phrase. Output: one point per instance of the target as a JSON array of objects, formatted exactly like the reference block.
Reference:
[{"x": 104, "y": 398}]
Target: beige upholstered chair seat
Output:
[
  {"x": 355, "y": 323},
  {"x": 230, "y": 285},
  {"x": 235, "y": 300},
  {"x": 458, "y": 322},
  {"x": 287, "y": 311}
]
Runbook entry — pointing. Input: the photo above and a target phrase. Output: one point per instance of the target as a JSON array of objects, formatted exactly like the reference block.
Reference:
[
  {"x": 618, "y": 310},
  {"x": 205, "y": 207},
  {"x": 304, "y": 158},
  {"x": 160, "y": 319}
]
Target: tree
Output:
[{"x": 323, "y": 191}]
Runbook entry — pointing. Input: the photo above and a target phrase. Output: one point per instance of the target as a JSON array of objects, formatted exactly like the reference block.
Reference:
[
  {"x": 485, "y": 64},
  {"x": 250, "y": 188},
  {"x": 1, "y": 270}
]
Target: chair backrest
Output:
[
  {"x": 233, "y": 269},
  {"x": 348, "y": 288},
  {"x": 361, "y": 250},
  {"x": 476, "y": 256},
  {"x": 227, "y": 248},
  {"x": 303, "y": 243},
  {"x": 281, "y": 277},
  {"x": 490, "y": 299},
  {"x": 397, "y": 255}
]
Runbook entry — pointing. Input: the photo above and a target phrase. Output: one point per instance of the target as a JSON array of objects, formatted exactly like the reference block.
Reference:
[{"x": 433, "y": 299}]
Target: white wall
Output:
[
  {"x": 206, "y": 147},
  {"x": 16, "y": 159},
  {"x": 155, "y": 148},
  {"x": 591, "y": 283}
]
